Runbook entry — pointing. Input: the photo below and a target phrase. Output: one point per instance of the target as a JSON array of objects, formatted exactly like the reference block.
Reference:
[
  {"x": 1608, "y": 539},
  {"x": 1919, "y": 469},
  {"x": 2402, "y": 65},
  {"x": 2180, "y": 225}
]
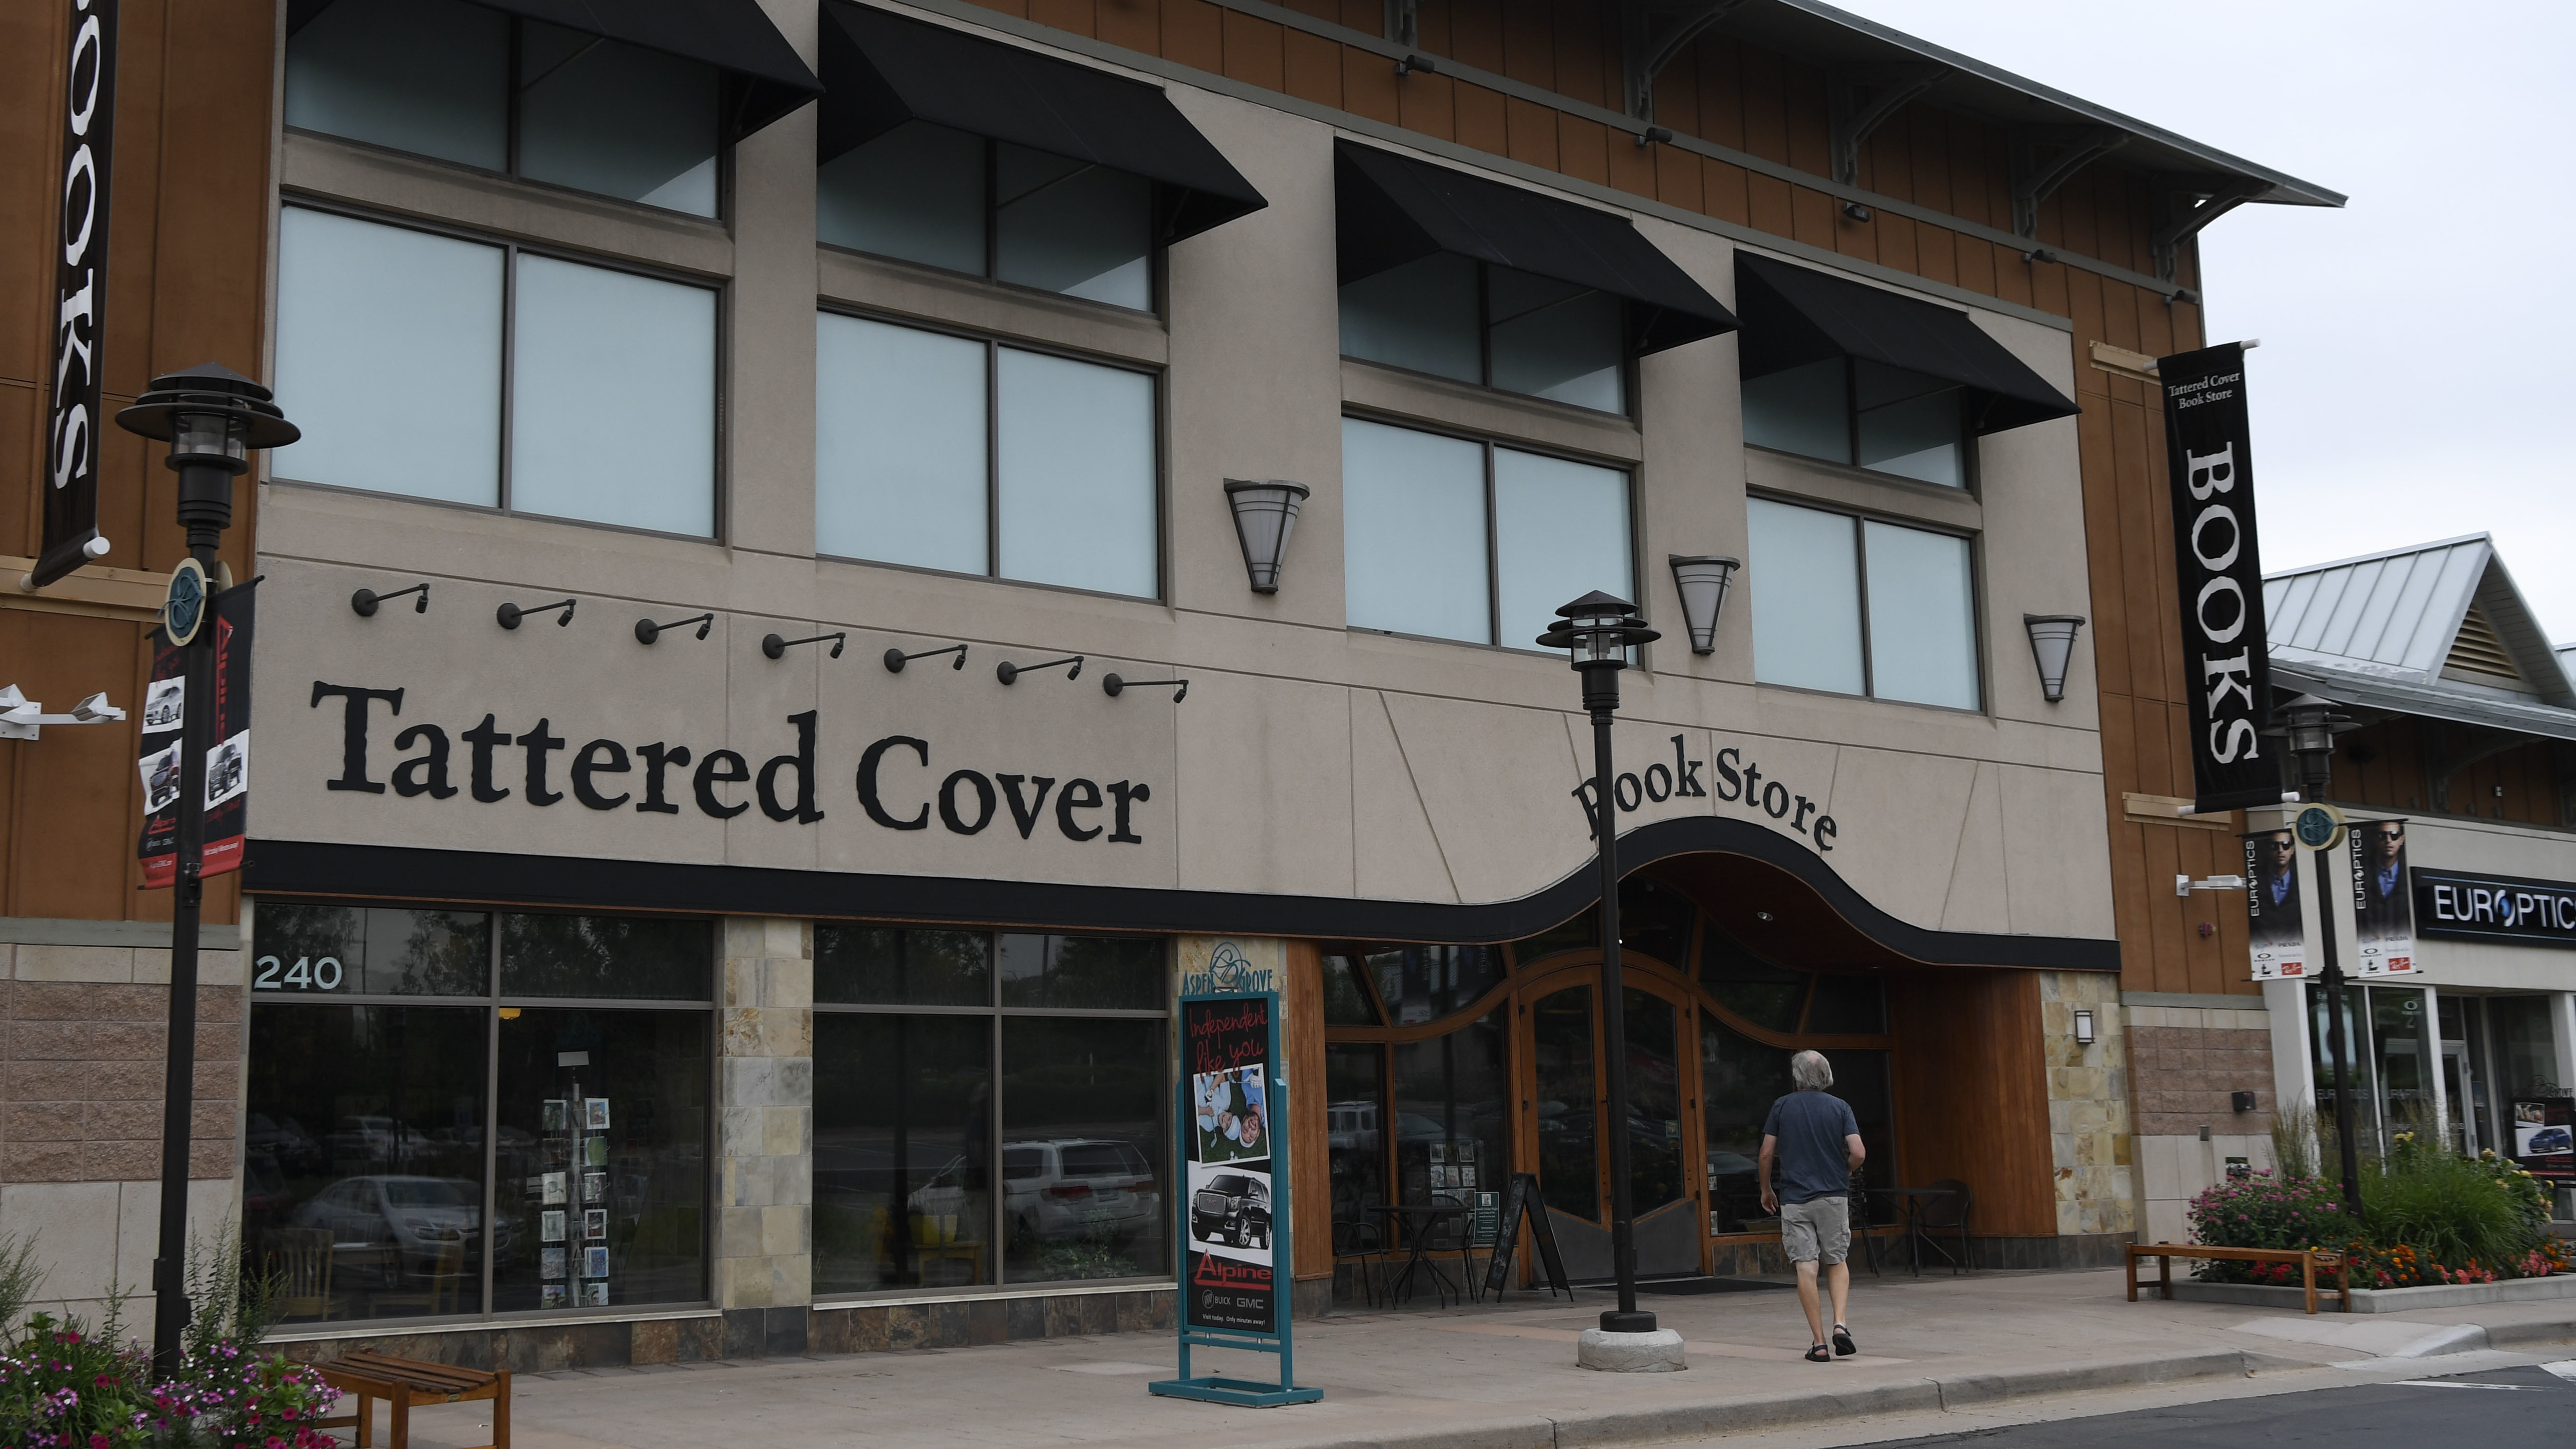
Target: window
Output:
[
  {"x": 1856, "y": 606},
  {"x": 462, "y": 83},
  {"x": 382, "y": 1119},
  {"x": 930, "y": 1044},
  {"x": 1851, "y": 410},
  {"x": 554, "y": 387},
  {"x": 1454, "y": 317},
  {"x": 925, "y": 193},
  {"x": 971, "y": 456},
  {"x": 1458, "y": 539}
]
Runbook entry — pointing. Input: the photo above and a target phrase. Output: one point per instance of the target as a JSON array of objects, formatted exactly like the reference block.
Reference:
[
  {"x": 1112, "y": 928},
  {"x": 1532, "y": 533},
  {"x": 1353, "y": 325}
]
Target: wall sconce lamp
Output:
[
  {"x": 1651, "y": 135},
  {"x": 896, "y": 658},
  {"x": 21, "y": 717},
  {"x": 1265, "y": 511},
  {"x": 1006, "y": 671},
  {"x": 363, "y": 603},
  {"x": 1412, "y": 63},
  {"x": 510, "y": 614},
  {"x": 2083, "y": 1027},
  {"x": 1857, "y": 212},
  {"x": 1111, "y": 685},
  {"x": 2052, "y": 644},
  {"x": 776, "y": 647},
  {"x": 1702, "y": 579},
  {"x": 646, "y": 631},
  {"x": 2037, "y": 255}
]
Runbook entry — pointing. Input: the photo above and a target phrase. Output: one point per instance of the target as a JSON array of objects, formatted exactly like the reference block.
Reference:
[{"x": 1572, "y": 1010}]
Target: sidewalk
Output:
[{"x": 1491, "y": 1377}]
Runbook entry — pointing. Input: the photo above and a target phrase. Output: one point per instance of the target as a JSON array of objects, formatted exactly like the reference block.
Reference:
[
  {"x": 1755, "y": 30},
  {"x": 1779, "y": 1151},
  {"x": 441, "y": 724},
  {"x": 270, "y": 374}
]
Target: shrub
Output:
[
  {"x": 2265, "y": 1211},
  {"x": 2455, "y": 1211}
]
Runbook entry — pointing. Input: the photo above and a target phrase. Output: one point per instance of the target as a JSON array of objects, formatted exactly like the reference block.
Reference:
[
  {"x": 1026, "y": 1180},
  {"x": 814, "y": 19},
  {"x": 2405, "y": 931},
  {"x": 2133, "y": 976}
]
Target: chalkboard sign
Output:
[{"x": 1524, "y": 1200}]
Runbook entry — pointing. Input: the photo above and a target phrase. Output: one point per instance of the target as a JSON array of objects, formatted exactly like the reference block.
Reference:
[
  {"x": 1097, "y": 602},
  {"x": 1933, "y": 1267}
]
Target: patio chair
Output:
[
  {"x": 1860, "y": 1223},
  {"x": 1455, "y": 1234},
  {"x": 1944, "y": 1214},
  {"x": 302, "y": 1261},
  {"x": 1363, "y": 1245},
  {"x": 437, "y": 1295}
]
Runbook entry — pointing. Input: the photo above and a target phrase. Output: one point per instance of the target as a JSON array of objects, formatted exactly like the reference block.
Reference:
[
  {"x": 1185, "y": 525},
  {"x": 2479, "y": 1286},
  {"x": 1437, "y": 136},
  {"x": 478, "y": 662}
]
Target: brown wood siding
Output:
[
  {"x": 1301, "y": 1010},
  {"x": 2387, "y": 765},
  {"x": 187, "y": 273},
  {"x": 1972, "y": 1093}
]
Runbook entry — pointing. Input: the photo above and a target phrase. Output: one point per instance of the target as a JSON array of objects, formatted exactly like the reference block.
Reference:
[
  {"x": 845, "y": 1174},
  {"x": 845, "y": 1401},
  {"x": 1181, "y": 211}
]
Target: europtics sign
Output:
[
  {"x": 73, "y": 416},
  {"x": 2495, "y": 908},
  {"x": 2209, "y": 457}
]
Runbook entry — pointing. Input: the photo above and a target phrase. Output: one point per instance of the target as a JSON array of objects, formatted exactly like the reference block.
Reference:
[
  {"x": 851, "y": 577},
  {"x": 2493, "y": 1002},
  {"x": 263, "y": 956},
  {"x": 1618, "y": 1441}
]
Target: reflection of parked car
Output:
[
  {"x": 412, "y": 1221},
  {"x": 1235, "y": 1208},
  {"x": 374, "y": 1139},
  {"x": 2549, "y": 1139},
  {"x": 285, "y": 1139},
  {"x": 1059, "y": 1190},
  {"x": 1352, "y": 1125}
]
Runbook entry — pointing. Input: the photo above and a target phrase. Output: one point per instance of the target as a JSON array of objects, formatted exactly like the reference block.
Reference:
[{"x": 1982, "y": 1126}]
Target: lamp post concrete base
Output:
[{"x": 1659, "y": 1352}]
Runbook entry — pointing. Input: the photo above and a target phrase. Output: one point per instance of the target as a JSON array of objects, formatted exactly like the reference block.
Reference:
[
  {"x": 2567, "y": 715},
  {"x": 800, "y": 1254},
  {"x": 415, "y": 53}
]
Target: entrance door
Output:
[{"x": 1570, "y": 1116}]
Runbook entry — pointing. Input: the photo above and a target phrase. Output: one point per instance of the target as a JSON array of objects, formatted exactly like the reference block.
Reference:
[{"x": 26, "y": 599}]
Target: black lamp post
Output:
[
  {"x": 211, "y": 416},
  {"x": 1599, "y": 630},
  {"x": 2309, "y": 726}
]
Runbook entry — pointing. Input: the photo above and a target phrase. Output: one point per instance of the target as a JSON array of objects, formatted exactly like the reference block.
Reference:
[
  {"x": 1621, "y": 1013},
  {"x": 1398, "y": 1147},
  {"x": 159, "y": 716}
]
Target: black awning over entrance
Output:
[
  {"x": 1395, "y": 210},
  {"x": 1794, "y": 316},
  {"x": 881, "y": 70},
  {"x": 765, "y": 77}
]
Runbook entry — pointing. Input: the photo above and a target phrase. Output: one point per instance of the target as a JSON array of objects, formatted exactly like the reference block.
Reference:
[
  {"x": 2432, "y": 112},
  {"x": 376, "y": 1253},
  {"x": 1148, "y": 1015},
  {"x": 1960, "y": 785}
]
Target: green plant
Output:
[
  {"x": 227, "y": 1305},
  {"x": 2294, "y": 1140},
  {"x": 20, "y": 1279},
  {"x": 65, "y": 1387},
  {"x": 2454, "y": 1210},
  {"x": 2264, "y": 1211}
]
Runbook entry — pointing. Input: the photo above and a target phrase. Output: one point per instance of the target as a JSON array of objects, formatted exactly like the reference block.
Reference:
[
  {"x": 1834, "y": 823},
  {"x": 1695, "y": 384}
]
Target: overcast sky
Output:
[{"x": 2418, "y": 345}]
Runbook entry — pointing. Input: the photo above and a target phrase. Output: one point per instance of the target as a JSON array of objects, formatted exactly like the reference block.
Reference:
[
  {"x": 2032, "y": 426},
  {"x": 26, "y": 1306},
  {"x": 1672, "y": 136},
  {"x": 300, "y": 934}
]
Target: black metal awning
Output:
[
  {"x": 1794, "y": 316},
  {"x": 765, "y": 78},
  {"x": 1395, "y": 210},
  {"x": 881, "y": 70}
]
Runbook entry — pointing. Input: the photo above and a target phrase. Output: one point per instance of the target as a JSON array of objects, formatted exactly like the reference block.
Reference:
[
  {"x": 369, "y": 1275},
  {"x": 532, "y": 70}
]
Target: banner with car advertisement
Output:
[
  {"x": 1231, "y": 1276},
  {"x": 2383, "y": 910},
  {"x": 229, "y": 621},
  {"x": 2275, "y": 930},
  {"x": 2544, "y": 1135}
]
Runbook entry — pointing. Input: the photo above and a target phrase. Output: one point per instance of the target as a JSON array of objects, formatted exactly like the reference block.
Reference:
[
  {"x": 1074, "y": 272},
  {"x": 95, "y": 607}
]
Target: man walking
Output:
[{"x": 1815, "y": 1142}]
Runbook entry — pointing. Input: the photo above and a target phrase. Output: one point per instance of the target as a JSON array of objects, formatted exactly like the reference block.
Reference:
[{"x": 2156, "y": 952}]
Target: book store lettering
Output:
[
  {"x": 894, "y": 780},
  {"x": 1738, "y": 780}
]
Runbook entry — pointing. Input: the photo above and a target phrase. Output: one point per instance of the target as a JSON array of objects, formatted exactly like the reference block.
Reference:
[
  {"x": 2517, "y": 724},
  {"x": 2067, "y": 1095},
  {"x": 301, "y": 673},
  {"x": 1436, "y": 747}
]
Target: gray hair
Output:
[{"x": 1810, "y": 1072}]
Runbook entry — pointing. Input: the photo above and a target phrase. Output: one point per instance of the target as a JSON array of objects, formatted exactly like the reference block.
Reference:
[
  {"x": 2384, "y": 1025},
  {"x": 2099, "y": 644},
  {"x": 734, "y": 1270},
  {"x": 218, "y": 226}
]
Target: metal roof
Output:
[
  {"x": 1811, "y": 30},
  {"x": 2377, "y": 631}
]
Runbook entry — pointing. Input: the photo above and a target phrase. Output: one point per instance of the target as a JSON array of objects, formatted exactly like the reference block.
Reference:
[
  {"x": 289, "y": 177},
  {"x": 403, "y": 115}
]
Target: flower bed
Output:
[
  {"x": 63, "y": 1387},
  {"x": 2429, "y": 1217}
]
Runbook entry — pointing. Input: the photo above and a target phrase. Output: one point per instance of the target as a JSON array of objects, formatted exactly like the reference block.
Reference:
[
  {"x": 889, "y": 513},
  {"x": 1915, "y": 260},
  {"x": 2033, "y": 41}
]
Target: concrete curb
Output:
[
  {"x": 2384, "y": 1300},
  {"x": 2541, "y": 1330},
  {"x": 1775, "y": 1411}
]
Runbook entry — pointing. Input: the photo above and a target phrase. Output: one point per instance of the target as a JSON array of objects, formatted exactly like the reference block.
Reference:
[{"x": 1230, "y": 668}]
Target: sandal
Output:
[
  {"x": 1820, "y": 1354},
  {"x": 1843, "y": 1344}
]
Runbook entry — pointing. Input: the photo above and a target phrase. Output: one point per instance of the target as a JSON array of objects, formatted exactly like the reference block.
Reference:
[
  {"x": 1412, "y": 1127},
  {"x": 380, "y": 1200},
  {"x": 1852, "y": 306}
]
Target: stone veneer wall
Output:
[
  {"x": 763, "y": 1270},
  {"x": 2089, "y": 1123},
  {"x": 2189, "y": 1059},
  {"x": 83, "y": 1042}
]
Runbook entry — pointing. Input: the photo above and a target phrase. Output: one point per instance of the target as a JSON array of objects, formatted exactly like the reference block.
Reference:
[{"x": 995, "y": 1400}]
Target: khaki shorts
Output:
[{"x": 1818, "y": 1229}]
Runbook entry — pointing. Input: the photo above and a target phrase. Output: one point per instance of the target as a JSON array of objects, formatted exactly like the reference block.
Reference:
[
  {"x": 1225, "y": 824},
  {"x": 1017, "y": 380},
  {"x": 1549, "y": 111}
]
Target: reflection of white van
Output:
[
  {"x": 1060, "y": 1190},
  {"x": 1351, "y": 1126}
]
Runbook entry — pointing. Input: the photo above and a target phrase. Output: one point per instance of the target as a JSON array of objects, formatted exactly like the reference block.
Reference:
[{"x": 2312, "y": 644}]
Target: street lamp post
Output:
[
  {"x": 211, "y": 417},
  {"x": 1599, "y": 630},
  {"x": 2310, "y": 725}
]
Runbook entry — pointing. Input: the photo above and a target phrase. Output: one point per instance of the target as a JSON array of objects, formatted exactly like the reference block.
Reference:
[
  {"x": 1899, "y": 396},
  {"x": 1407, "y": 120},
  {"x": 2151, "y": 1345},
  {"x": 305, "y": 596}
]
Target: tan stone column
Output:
[{"x": 764, "y": 1239}]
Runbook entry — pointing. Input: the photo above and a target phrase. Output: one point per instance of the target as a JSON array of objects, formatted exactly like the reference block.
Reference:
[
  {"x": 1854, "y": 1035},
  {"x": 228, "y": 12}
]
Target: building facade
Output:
[{"x": 732, "y": 914}]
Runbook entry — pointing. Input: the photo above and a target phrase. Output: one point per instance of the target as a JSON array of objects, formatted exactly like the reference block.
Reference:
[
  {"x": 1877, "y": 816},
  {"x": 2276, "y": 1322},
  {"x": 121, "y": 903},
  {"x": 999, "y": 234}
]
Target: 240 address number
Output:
[{"x": 307, "y": 974}]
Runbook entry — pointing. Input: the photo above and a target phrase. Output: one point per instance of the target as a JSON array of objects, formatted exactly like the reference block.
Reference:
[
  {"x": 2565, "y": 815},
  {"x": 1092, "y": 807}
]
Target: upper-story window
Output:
[
  {"x": 1860, "y": 606},
  {"x": 943, "y": 148},
  {"x": 1870, "y": 378},
  {"x": 1461, "y": 277},
  {"x": 462, "y": 83}
]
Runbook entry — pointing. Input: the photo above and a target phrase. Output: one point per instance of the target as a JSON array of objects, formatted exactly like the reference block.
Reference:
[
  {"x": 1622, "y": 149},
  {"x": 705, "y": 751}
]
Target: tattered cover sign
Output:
[
  {"x": 75, "y": 415},
  {"x": 2219, "y": 577},
  {"x": 165, "y": 712}
]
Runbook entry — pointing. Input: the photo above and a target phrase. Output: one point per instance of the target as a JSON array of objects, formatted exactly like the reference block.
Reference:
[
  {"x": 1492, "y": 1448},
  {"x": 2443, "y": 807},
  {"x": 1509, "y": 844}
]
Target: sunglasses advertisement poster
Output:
[
  {"x": 2383, "y": 908},
  {"x": 2275, "y": 928}
]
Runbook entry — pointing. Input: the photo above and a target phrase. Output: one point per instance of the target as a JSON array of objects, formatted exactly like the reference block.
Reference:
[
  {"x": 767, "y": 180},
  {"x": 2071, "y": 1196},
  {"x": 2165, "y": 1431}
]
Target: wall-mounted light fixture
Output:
[
  {"x": 1112, "y": 685},
  {"x": 2038, "y": 254},
  {"x": 1857, "y": 212},
  {"x": 2052, "y": 645},
  {"x": 1265, "y": 511},
  {"x": 1412, "y": 63},
  {"x": 646, "y": 631},
  {"x": 509, "y": 615},
  {"x": 1653, "y": 134},
  {"x": 2083, "y": 1027},
  {"x": 776, "y": 647},
  {"x": 895, "y": 659},
  {"x": 1702, "y": 579},
  {"x": 364, "y": 602},
  {"x": 1006, "y": 671},
  {"x": 21, "y": 718}
]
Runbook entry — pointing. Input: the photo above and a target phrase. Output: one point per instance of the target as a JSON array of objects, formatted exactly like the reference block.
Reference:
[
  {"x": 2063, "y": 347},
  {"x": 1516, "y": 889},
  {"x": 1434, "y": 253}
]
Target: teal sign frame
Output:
[{"x": 1232, "y": 1226}]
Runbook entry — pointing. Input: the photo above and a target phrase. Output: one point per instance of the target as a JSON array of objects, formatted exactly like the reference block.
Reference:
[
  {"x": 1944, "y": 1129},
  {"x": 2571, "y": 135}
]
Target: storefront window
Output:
[
  {"x": 1346, "y": 996},
  {"x": 1451, "y": 1127},
  {"x": 379, "y": 1127},
  {"x": 1654, "y": 1101},
  {"x": 1739, "y": 1079},
  {"x": 1569, "y": 1165},
  {"x": 2365, "y": 1087},
  {"x": 907, "y": 1143},
  {"x": 1754, "y": 987},
  {"x": 1425, "y": 983},
  {"x": 2524, "y": 1040},
  {"x": 1355, "y": 1097}
]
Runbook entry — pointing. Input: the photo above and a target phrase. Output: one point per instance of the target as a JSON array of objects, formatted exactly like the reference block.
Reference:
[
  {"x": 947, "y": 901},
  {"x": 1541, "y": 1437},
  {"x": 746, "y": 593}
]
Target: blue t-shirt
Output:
[{"x": 1812, "y": 1161}]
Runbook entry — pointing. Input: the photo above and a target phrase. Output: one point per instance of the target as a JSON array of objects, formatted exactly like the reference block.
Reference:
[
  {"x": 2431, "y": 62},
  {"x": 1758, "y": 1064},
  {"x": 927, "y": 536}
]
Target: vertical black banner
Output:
[
  {"x": 165, "y": 714},
  {"x": 2219, "y": 577},
  {"x": 75, "y": 413},
  {"x": 1229, "y": 1276}
]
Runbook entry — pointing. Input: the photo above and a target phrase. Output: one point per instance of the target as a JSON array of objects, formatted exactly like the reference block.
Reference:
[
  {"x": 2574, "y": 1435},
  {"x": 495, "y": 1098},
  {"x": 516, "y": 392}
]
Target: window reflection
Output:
[
  {"x": 1097, "y": 973},
  {"x": 1355, "y": 1105},
  {"x": 1451, "y": 1128},
  {"x": 1754, "y": 987},
  {"x": 358, "y": 950},
  {"x": 903, "y": 1150},
  {"x": 1654, "y": 1101},
  {"x": 1425, "y": 983},
  {"x": 1569, "y": 1171},
  {"x": 640, "y": 958},
  {"x": 897, "y": 967},
  {"x": 1346, "y": 997},
  {"x": 1083, "y": 1137},
  {"x": 1739, "y": 1079}
]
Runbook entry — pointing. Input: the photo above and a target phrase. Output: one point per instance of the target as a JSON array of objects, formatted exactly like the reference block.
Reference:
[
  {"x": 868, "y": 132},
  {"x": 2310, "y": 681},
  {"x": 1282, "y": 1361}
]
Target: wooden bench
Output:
[
  {"x": 404, "y": 1382},
  {"x": 2308, "y": 1259}
]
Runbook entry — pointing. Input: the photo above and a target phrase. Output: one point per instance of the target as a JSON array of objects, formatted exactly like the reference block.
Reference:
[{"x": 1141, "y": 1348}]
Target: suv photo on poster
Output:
[{"x": 1233, "y": 1208}]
